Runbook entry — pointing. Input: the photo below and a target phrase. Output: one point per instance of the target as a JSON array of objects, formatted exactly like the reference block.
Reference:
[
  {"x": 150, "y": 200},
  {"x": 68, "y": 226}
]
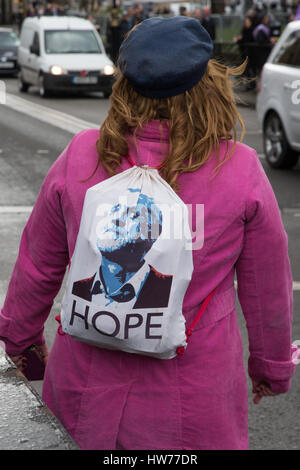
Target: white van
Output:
[{"x": 63, "y": 53}]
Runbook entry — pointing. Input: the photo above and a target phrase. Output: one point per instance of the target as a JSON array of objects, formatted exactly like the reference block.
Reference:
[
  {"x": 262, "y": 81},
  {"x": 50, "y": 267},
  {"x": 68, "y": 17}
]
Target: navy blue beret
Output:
[{"x": 164, "y": 57}]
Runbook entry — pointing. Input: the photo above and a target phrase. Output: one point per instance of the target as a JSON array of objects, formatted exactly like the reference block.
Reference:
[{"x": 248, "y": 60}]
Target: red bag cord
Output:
[
  {"x": 200, "y": 311},
  {"x": 189, "y": 331},
  {"x": 132, "y": 163},
  {"x": 59, "y": 329},
  {"x": 130, "y": 160}
]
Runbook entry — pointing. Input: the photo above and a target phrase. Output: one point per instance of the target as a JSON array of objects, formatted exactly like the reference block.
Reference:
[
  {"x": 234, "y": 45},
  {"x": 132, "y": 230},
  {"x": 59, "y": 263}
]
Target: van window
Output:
[
  {"x": 289, "y": 53},
  {"x": 26, "y": 37},
  {"x": 71, "y": 42},
  {"x": 36, "y": 42}
]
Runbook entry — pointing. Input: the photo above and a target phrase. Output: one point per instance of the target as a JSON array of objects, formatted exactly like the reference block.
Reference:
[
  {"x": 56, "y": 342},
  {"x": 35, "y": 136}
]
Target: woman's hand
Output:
[
  {"x": 43, "y": 351},
  {"x": 21, "y": 361},
  {"x": 237, "y": 38},
  {"x": 261, "y": 389}
]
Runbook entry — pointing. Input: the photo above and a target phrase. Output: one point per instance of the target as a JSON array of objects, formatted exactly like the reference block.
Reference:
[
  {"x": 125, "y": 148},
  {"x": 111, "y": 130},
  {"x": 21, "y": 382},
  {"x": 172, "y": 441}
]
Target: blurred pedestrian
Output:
[
  {"x": 262, "y": 37},
  {"x": 31, "y": 11},
  {"x": 179, "y": 120},
  {"x": 297, "y": 14},
  {"x": 124, "y": 25},
  {"x": 246, "y": 34},
  {"x": 55, "y": 9},
  {"x": 41, "y": 10},
  {"x": 92, "y": 19},
  {"x": 209, "y": 23},
  {"x": 245, "y": 40},
  {"x": 198, "y": 14},
  {"x": 254, "y": 16},
  {"x": 167, "y": 12},
  {"x": 262, "y": 32},
  {"x": 19, "y": 18},
  {"x": 48, "y": 10},
  {"x": 137, "y": 16},
  {"x": 182, "y": 11},
  {"x": 113, "y": 34}
]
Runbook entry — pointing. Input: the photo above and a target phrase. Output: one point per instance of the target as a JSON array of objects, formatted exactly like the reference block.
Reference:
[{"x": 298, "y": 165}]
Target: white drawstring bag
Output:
[{"x": 131, "y": 267}]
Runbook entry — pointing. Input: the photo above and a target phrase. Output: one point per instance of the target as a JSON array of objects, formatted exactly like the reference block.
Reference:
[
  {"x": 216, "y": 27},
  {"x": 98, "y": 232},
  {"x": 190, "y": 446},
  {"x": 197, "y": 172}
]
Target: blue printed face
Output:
[{"x": 126, "y": 225}]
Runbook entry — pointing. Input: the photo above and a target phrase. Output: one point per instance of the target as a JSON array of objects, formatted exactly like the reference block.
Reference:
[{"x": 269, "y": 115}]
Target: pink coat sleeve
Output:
[
  {"x": 40, "y": 267},
  {"x": 265, "y": 286}
]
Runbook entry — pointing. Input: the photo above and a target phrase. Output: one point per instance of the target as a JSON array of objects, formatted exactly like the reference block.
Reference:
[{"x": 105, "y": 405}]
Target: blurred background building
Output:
[{"x": 107, "y": 15}]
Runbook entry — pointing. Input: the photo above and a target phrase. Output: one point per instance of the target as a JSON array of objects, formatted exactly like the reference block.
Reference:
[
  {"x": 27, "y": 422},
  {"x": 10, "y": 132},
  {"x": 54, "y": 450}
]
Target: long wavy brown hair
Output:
[{"x": 198, "y": 120}]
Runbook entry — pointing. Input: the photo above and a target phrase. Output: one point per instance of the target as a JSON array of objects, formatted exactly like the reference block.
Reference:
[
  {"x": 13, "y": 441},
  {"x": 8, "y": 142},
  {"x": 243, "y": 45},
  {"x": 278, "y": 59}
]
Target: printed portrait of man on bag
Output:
[{"x": 126, "y": 235}]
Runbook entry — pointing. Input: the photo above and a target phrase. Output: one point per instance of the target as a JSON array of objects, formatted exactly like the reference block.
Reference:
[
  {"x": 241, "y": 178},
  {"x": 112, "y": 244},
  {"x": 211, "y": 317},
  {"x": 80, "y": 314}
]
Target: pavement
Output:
[{"x": 25, "y": 421}]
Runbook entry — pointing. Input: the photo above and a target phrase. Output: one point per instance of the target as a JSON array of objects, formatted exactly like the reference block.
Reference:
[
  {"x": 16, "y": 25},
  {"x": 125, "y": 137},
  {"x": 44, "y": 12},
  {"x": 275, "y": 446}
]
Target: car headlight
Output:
[
  {"x": 56, "y": 70},
  {"x": 109, "y": 70},
  {"x": 8, "y": 54}
]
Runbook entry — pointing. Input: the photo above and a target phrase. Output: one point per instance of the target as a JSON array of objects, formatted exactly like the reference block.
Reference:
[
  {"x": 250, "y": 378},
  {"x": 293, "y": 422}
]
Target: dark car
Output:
[{"x": 9, "y": 43}]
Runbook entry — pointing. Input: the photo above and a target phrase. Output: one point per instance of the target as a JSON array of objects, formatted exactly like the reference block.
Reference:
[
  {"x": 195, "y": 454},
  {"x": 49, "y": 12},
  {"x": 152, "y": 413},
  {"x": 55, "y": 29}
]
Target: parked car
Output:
[
  {"x": 278, "y": 100},
  {"x": 9, "y": 43},
  {"x": 63, "y": 53}
]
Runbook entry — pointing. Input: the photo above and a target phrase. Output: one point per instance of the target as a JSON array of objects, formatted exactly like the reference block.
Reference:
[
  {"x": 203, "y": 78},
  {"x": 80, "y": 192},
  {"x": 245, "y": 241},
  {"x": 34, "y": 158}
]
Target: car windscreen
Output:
[
  {"x": 8, "y": 38},
  {"x": 71, "y": 42}
]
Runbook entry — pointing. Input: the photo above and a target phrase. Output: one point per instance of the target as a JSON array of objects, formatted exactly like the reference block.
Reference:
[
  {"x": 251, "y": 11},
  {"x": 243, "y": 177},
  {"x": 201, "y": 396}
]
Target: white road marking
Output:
[
  {"x": 292, "y": 211},
  {"x": 255, "y": 132},
  {"x": 64, "y": 121},
  {"x": 296, "y": 285},
  {"x": 50, "y": 116},
  {"x": 42, "y": 151},
  {"x": 15, "y": 209}
]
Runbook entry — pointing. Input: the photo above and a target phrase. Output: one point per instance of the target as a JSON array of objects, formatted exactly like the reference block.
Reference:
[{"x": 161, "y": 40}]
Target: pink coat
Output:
[{"x": 114, "y": 400}]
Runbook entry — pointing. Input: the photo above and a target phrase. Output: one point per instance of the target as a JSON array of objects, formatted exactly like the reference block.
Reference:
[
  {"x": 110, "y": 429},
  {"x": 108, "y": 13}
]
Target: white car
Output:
[
  {"x": 63, "y": 53},
  {"x": 278, "y": 100}
]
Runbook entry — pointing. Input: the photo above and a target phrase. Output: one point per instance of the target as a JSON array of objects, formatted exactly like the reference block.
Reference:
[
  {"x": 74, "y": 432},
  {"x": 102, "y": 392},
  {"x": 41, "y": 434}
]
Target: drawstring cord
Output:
[
  {"x": 59, "y": 329},
  {"x": 189, "y": 331},
  {"x": 132, "y": 163}
]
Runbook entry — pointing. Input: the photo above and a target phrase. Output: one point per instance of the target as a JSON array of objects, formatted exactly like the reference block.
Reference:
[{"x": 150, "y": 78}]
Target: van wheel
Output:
[
  {"x": 23, "y": 86},
  {"x": 44, "y": 92},
  {"x": 278, "y": 151}
]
